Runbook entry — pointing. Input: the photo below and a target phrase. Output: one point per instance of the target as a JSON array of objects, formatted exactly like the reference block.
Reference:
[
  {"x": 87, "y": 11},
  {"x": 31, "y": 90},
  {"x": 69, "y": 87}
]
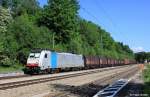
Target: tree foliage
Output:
[
  {"x": 142, "y": 57},
  {"x": 5, "y": 20},
  {"x": 61, "y": 17},
  {"x": 30, "y": 37},
  {"x": 57, "y": 22},
  {"x": 19, "y": 7}
]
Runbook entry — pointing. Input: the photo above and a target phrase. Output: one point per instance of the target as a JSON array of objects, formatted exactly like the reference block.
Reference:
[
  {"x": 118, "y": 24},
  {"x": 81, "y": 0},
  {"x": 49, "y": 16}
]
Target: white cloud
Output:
[{"x": 137, "y": 49}]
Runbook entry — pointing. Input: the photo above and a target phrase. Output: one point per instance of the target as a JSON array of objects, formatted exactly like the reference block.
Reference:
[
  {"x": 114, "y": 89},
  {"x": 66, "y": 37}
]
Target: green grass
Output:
[
  {"x": 146, "y": 77},
  {"x": 11, "y": 69}
]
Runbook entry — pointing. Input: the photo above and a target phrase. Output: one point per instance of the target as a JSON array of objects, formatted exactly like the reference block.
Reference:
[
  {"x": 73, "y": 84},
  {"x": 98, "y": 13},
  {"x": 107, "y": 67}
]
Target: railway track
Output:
[
  {"x": 41, "y": 80},
  {"x": 106, "y": 79},
  {"x": 112, "y": 91},
  {"x": 11, "y": 77},
  {"x": 20, "y": 76}
]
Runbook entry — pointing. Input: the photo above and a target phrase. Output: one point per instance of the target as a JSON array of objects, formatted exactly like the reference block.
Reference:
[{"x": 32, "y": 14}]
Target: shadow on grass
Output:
[
  {"x": 131, "y": 90},
  {"x": 135, "y": 90},
  {"x": 147, "y": 88}
]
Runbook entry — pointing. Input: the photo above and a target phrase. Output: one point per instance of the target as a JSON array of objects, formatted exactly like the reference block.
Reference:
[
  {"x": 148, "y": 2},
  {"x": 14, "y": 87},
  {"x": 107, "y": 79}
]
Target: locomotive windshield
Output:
[{"x": 34, "y": 55}]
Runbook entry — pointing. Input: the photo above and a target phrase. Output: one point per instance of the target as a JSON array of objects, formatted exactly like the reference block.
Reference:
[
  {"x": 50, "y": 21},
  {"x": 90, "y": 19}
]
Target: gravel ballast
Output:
[{"x": 55, "y": 88}]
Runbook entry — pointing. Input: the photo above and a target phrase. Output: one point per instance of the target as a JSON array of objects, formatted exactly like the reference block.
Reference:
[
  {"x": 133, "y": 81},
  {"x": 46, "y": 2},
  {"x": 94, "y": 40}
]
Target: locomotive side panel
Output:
[{"x": 66, "y": 60}]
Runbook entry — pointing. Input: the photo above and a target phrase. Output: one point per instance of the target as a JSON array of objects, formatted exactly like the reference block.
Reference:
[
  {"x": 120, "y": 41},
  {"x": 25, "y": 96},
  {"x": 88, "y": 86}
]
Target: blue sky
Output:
[{"x": 128, "y": 21}]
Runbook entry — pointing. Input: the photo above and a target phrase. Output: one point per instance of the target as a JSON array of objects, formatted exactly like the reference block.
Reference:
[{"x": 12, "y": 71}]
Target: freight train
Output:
[{"x": 47, "y": 61}]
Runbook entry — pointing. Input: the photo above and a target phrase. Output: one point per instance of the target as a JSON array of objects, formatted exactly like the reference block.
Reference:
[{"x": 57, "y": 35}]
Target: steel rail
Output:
[
  {"x": 115, "y": 88},
  {"x": 41, "y": 80},
  {"x": 25, "y": 75}
]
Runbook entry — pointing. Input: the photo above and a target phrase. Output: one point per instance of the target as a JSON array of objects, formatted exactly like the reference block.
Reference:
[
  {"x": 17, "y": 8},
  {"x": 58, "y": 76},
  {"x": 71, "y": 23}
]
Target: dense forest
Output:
[{"x": 24, "y": 25}]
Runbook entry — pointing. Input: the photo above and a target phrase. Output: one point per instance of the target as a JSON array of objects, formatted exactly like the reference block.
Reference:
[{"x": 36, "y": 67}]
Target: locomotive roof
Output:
[{"x": 38, "y": 50}]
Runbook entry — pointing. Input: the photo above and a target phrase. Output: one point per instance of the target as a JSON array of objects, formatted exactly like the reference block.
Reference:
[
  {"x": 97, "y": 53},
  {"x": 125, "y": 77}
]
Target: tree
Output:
[
  {"x": 141, "y": 57},
  {"x": 23, "y": 36},
  {"x": 25, "y": 6},
  {"x": 60, "y": 16},
  {"x": 4, "y": 3},
  {"x": 19, "y": 7},
  {"x": 148, "y": 56},
  {"x": 5, "y": 19}
]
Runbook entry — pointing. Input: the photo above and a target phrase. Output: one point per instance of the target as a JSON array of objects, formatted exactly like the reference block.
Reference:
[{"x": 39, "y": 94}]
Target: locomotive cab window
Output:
[
  {"x": 45, "y": 56},
  {"x": 37, "y": 55},
  {"x": 31, "y": 55},
  {"x": 34, "y": 55}
]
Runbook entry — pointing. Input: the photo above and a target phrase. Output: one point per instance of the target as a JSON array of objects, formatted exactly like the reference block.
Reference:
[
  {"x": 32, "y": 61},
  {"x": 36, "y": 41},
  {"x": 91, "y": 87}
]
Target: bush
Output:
[{"x": 7, "y": 62}]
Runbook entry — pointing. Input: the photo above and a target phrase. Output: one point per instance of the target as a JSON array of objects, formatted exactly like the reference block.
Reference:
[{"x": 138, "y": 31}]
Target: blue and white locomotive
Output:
[{"x": 50, "y": 61}]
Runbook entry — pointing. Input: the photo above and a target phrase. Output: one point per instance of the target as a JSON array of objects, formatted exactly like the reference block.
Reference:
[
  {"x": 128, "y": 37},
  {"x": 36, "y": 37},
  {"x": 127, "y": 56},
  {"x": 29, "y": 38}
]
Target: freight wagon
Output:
[{"x": 47, "y": 61}]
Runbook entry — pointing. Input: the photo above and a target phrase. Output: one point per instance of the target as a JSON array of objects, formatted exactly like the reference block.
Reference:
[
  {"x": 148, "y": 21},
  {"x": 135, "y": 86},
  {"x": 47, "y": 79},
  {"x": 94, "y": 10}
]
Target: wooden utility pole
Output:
[{"x": 53, "y": 41}]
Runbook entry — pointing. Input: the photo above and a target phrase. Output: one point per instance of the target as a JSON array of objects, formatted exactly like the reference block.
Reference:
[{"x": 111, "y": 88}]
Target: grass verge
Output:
[
  {"x": 11, "y": 69},
  {"x": 146, "y": 75}
]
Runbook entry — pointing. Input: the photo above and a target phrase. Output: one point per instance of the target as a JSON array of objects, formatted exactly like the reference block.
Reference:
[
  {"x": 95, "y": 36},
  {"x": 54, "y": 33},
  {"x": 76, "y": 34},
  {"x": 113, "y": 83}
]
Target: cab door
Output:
[{"x": 45, "y": 62}]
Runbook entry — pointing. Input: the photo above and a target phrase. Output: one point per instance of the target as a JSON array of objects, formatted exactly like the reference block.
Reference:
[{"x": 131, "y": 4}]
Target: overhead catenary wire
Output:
[
  {"x": 106, "y": 14},
  {"x": 93, "y": 16},
  {"x": 103, "y": 25},
  {"x": 114, "y": 25},
  {"x": 101, "y": 37}
]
